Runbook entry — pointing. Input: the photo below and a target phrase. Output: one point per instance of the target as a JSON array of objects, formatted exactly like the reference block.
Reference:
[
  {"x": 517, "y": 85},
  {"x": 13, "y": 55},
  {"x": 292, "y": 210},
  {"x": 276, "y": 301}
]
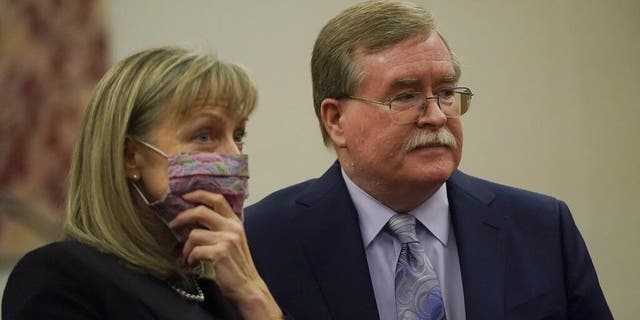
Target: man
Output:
[{"x": 347, "y": 245}]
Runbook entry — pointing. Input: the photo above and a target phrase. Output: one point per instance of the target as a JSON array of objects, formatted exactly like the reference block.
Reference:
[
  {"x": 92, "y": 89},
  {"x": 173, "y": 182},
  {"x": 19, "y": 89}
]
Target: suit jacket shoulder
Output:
[
  {"x": 521, "y": 251},
  {"x": 71, "y": 280}
]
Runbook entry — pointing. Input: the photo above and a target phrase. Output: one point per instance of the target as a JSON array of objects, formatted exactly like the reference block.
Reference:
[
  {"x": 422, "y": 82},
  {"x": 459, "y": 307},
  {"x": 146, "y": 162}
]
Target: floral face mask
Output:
[{"x": 225, "y": 174}]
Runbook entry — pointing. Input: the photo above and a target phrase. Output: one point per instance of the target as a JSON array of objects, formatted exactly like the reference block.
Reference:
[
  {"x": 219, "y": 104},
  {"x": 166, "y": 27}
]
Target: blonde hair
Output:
[
  {"x": 128, "y": 101},
  {"x": 370, "y": 26}
]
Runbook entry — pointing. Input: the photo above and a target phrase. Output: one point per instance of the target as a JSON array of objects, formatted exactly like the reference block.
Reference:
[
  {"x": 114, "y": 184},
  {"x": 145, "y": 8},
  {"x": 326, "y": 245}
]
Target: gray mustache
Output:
[{"x": 443, "y": 137}]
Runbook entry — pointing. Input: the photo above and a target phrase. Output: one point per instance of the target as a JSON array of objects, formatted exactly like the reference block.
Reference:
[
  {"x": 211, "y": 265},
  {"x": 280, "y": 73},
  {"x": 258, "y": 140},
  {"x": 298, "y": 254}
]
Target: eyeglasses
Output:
[{"x": 410, "y": 106}]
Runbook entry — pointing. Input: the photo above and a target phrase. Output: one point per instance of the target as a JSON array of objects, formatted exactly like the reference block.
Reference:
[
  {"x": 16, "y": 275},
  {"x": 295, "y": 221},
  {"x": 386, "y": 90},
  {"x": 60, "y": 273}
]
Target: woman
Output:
[{"x": 153, "y": 228}]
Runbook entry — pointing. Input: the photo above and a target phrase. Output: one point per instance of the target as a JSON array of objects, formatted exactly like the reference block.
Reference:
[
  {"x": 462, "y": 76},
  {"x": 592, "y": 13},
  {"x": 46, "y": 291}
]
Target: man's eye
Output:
[
  {"x": 446, "y": 93},
  {"x": 407, "y": 97}
]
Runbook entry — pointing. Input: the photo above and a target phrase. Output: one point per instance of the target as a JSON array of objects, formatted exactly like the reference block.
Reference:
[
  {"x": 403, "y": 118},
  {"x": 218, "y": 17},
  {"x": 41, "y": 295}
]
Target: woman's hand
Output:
[{"x": 224, "y": 243}]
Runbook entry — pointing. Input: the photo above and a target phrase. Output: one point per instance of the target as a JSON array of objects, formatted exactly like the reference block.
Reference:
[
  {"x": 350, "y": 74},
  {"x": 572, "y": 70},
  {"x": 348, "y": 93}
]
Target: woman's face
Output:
[{"x": 209, "y": 128}]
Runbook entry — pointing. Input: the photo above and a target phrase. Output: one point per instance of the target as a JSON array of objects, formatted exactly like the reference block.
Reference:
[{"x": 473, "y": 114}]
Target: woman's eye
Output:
[
  {"x": 239, "y": 135},
  {"x": 203, "y": 137}
]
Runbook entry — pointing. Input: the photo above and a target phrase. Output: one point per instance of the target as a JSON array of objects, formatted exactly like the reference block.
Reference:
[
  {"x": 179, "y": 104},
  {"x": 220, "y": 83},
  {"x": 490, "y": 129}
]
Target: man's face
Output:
[{"x": 372, "y": 153}]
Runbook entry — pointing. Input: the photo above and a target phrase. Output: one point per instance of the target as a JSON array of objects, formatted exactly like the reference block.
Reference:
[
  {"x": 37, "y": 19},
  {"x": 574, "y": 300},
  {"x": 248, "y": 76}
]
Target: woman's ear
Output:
[
  {"x": 331, "y": 115},
  {"x": 131, "y": 166}
]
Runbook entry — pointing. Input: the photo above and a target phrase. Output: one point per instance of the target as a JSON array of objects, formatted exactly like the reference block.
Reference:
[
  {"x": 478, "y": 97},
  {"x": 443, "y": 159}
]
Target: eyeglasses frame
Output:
[{"x": 461, "y": 90}]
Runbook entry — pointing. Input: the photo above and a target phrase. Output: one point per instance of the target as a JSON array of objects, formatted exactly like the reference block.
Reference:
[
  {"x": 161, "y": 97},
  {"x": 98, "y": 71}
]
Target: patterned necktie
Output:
[{"x": 418, "y": 294}]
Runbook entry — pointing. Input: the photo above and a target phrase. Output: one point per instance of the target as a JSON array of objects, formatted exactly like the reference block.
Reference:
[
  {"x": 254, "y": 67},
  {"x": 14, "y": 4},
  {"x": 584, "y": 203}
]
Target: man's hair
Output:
[
  {"x": 367, "y": 27},
  {"x": 102, "y": 210}
]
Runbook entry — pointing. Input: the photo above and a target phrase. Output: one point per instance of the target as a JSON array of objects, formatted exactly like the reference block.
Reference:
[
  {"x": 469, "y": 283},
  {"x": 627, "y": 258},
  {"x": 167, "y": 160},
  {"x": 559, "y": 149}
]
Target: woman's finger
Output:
[
  {"x": 199, "y": 237},
  {"x": 198, "y": 215},
  {"x": 218, "y": 246},
  {"x": 215, "y": 201}
]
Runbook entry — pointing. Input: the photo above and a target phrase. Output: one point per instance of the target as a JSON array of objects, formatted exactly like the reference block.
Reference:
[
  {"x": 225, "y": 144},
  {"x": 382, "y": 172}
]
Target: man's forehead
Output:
[
  {"x": 449, "y": 77},
  {"x": 414, "y": 55},
  {"x": 407, "y": 65}
]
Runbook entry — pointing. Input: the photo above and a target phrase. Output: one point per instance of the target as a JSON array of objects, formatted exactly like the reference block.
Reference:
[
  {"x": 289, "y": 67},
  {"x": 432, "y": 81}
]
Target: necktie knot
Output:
[{"x": 403, "y": 226}]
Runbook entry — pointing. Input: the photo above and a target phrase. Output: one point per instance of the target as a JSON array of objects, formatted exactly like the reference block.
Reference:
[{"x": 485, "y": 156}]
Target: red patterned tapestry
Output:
[{"x": 52, "y": 53}]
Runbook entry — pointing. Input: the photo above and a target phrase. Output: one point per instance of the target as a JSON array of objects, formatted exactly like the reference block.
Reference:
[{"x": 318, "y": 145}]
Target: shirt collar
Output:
[{"x": 433, "y": 213}]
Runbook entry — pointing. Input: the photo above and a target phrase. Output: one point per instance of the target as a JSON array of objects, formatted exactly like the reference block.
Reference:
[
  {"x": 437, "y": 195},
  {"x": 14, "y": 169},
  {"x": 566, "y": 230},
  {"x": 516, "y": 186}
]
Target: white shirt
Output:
[{"x": 436, "y": 235}]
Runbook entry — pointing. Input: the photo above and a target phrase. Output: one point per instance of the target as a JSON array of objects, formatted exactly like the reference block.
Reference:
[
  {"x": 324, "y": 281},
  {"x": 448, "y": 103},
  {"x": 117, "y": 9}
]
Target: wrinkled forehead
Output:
[
  {"x": 438, "y": 49},
  {"x": 407, "y": 63}
]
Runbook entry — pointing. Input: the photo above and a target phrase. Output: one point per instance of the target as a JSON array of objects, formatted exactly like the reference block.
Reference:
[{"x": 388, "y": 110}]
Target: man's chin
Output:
[{"x": 435, "y": 173}]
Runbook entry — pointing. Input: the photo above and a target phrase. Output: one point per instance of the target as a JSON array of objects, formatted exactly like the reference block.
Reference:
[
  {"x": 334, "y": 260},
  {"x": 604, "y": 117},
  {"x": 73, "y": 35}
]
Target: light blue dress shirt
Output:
[{"x": 436, "y": 235}]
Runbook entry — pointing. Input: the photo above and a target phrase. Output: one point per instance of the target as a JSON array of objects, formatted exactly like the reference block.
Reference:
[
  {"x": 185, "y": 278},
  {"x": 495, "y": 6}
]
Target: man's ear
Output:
[
  {"x": 331, "y": 115},
  {"x": 131, "y": 166}
]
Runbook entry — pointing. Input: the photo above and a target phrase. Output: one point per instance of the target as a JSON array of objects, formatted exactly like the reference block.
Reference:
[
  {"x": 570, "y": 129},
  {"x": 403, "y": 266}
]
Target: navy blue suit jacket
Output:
[{"x": 521, "y": 255}]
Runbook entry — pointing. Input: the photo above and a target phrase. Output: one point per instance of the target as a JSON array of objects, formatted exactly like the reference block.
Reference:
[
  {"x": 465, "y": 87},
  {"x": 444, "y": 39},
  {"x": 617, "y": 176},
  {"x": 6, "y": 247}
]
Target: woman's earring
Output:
[{"x": 135, "y": 177}]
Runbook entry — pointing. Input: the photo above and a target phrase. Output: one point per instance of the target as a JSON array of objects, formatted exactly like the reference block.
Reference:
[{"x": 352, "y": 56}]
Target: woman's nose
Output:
[{"x": 230, "y": 146}]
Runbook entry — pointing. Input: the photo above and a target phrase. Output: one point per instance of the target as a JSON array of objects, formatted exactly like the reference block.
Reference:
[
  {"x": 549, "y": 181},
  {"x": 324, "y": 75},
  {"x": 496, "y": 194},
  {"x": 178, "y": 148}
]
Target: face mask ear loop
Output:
[
  {"x": 135, "y": 186},
  {"x": 150, "y": 146}
]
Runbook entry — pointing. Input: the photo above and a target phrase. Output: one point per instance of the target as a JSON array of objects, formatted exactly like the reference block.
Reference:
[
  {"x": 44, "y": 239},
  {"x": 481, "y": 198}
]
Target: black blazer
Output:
[
  {"x": 71, "y": 280},
  {"x": 521, "y": 255}
]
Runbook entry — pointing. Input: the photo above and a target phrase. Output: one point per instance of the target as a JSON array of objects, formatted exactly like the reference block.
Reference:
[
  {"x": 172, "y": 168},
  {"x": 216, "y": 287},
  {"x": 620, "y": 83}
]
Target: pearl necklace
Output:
[{"x": 197, "y": 297}]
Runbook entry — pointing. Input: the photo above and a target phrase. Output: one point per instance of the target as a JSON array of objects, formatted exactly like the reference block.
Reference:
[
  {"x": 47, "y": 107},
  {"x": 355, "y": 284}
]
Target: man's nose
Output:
[{"x": 432, "y": 115}]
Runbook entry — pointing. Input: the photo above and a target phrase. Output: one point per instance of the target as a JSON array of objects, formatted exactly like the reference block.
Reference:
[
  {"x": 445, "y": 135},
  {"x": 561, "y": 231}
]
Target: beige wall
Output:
[{"x": 556, "y": 108}]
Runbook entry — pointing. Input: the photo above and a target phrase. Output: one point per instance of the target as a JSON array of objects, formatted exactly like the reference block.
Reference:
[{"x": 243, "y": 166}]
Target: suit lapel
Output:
[
  {"x": 332, "y": 243},
  {"x": 480, "y": 239}
]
